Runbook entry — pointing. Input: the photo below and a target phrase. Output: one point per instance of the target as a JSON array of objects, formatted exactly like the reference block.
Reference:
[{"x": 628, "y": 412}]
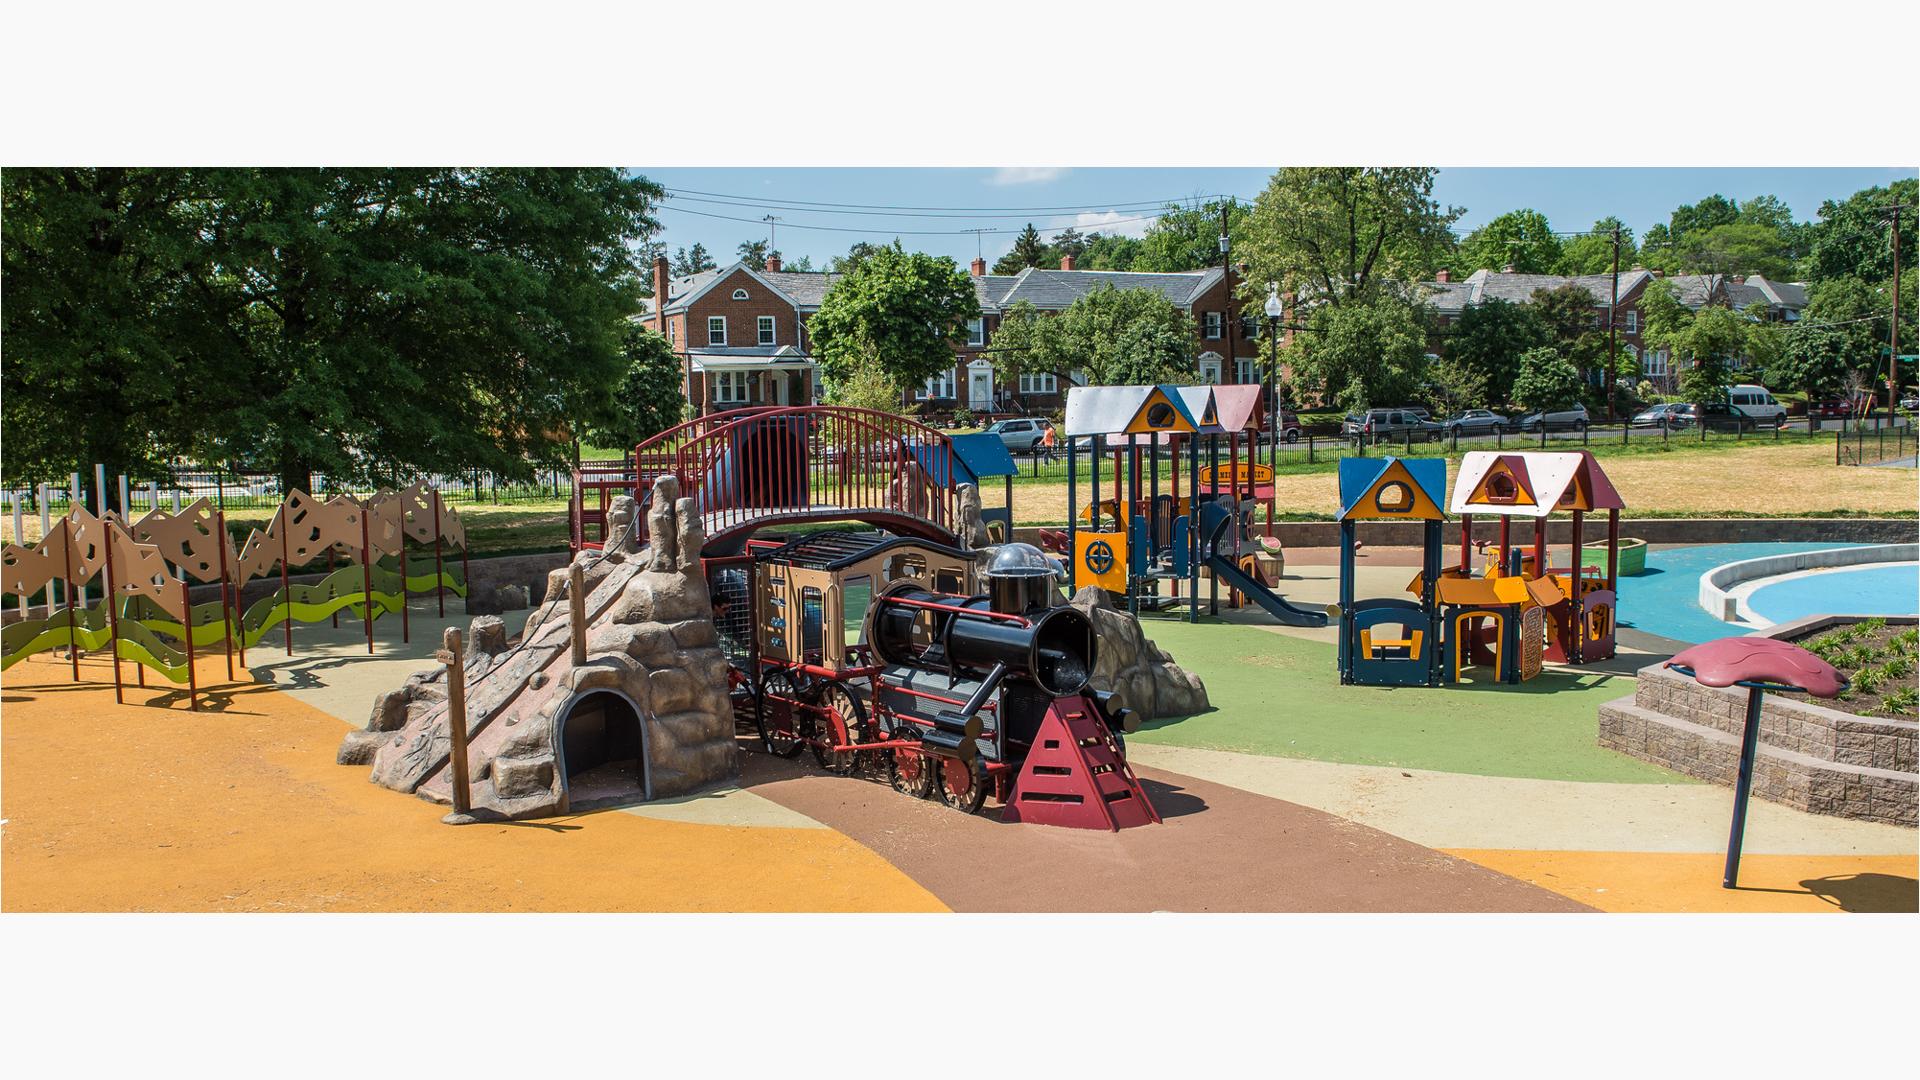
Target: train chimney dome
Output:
[{"x": 1019, "y": 579}]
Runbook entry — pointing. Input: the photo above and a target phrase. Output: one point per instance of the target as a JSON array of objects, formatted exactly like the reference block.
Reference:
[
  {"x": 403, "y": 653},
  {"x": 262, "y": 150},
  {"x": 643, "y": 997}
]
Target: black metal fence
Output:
[
  {"x": 261, "y": 491},
  {"x": 1874, "y": 445}
]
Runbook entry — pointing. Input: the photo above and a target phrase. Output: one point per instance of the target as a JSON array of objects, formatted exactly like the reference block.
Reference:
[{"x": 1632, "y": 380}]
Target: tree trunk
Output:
[{"x": 296, "y": 476}]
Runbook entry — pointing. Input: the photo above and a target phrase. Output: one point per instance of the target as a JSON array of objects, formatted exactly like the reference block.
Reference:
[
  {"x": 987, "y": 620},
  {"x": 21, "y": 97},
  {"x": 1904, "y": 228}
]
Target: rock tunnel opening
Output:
[{"x": 603, "y": 751}]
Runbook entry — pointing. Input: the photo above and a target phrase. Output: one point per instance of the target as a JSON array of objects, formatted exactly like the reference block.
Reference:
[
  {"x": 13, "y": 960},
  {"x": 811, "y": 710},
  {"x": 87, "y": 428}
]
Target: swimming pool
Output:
[
  {"x": 1666, "y": 599},
  {"x": 1873, "y": 589}
]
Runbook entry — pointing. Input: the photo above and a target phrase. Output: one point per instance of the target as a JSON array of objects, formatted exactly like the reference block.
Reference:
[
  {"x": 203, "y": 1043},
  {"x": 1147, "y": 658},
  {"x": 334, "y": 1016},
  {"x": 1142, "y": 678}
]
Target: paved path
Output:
[{"x": 1219, "y": 849}]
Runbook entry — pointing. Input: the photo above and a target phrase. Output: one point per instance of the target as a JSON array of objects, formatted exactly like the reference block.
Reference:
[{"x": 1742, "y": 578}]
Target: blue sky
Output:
[{"x": 1119, "y": 198}]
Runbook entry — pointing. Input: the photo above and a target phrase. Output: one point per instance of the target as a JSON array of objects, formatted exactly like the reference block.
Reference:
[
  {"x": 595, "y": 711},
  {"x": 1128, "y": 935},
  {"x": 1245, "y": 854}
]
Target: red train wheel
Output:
[
  {"x": 775, "y": 713},
  {"x": 851, "y": 716},
  {"x": 962, "y": 786},
  {"x": 910, "y": 772}
]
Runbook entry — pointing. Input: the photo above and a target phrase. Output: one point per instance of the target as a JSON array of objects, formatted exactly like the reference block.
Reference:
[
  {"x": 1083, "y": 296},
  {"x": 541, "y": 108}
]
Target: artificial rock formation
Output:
[
  {"x": 650, "y": 640},
  {"x": 1129, "y": 663}
]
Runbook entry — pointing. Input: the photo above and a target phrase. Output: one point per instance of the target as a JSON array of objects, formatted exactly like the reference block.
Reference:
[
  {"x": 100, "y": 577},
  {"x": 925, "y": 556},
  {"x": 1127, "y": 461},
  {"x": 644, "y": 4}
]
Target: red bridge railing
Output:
[{"x": 814, "y": 463}]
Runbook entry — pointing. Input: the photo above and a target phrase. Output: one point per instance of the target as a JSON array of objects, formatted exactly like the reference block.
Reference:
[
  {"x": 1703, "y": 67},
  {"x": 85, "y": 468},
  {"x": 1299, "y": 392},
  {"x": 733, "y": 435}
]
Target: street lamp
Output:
[{"x": 1274, "y": 309}]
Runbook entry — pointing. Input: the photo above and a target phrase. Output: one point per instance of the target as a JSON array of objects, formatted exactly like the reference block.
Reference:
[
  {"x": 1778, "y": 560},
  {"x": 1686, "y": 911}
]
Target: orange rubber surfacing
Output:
[
  {"x": 240, "y": 807},
  {"x": 1690, "y": 882}
]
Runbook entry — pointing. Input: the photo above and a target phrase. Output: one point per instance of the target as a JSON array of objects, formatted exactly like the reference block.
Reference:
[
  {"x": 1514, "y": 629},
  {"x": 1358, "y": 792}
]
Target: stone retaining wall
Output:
[{"x": 1811, "y": 757}]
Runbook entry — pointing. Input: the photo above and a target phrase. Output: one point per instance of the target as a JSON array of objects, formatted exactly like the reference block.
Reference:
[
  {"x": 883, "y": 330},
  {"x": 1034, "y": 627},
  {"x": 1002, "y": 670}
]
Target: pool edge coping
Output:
[{"x": 1719, "y": 587}]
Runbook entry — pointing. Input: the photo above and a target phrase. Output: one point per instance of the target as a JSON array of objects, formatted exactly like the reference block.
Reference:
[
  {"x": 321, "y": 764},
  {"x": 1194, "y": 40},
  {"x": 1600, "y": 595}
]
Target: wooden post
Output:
[
  {"x": 577, "y": 597},
  {"x": 193, "y": 687},
  {"x": 366, "y": 577},
  {"x": 46, "y": 526},
  {"x": 1466, "y": 543},
  {"x": 439, "y": 593},
  {"x": 113, "y": 616},
  {"x": 1613, "y": 556},
  {"x": 66, "y": 555},
  {"x": 286, "y": 588},
  {"x": 226, "y": 619},
  {"x": 454, "y": 656}
]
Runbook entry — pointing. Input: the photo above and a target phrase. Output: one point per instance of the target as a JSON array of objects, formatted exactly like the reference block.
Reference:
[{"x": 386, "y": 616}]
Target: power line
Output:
[
  {"x": 770, "y": 203},
  {"x": 897, "y": 232},
  {"x": 964, "y": 216}
]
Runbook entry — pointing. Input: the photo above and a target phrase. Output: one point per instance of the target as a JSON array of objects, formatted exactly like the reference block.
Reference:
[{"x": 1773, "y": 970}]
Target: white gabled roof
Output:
[{"x": 1546, "y": 475}]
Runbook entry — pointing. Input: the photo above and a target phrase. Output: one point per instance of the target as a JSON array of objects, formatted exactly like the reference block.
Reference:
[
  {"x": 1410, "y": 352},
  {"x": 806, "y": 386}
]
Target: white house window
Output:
[
  {"x": 730, "y": 387},
  {"x": 670, "y": 332},
  {"x": 941, "y": 385},
  {"x": 1039, "y": 382},
  {"x": 1212, "y": 321},
  {"x": 739, "y": 294},
  {"x": 1633, "y": 322},
  {"x": 1210, "y": 366},
  {"x": 1243, "y": 370},
  {"x": 766, "y": 329},
  {"x": 1654, "y": 363},
  {"x": 716, "y": 329},
  {"x": 976, "y": 331}
]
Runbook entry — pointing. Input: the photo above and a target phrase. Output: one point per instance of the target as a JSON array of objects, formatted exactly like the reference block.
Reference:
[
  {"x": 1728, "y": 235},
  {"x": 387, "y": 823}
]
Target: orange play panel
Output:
[
  {"x": 240, "y": 807},
  {"x": 1690, "y": 881}
]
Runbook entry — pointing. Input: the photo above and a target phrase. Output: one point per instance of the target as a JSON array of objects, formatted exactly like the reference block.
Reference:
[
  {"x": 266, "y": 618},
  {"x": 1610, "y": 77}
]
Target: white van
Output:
[{"x": 1756, "y": 402}]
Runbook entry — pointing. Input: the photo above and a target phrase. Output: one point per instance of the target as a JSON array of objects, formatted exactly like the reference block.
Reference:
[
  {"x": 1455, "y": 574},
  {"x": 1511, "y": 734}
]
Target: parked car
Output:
[
  {"x": 1024, "y": 433},
  {"x": 1720, "y": 416},
  {"x": 1389, "y": 424},
  {"x": 1757, "y": 403},
  {"x": 1910, "y": 403},
  {"x": 1289, "y": 426},
  {"x": 1671, "y": 414},
  {"x": 1477, "y": 422},
  {"x": 1350, "y": 425},
  {"x": 1571, "y": 419}
]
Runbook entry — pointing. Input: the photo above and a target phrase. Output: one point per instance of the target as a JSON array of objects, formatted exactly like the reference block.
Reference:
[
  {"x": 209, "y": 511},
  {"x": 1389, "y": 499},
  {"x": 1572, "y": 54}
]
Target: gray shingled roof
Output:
[
  {"x": 1782, "y": 293},
  {"x": 1055, "y": 289},
  {"x": 1453, "y": 297}
]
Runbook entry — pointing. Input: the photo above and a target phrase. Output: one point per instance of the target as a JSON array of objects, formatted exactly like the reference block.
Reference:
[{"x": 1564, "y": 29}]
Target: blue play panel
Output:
[{"x": 1666, "y": 599}]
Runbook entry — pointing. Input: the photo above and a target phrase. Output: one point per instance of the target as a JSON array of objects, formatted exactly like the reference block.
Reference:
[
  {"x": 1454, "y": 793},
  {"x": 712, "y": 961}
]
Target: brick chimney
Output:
[
  {"x": 1659, "y": 273},
  {"x": 1739, "y": 279},
  {"x": 1443, "y": 277},
  {"x": 659, "y": 292},
  {"x": 1066, "y": 262},
  {"x": 773, "y": 262},
  {"x": 979, "y": 267},
  {"x": 1507, "y": 269}
]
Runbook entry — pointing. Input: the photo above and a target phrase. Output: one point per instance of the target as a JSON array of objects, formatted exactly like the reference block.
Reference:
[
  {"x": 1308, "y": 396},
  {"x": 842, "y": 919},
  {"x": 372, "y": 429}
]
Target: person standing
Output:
[{"x": 1047, "y": 442}]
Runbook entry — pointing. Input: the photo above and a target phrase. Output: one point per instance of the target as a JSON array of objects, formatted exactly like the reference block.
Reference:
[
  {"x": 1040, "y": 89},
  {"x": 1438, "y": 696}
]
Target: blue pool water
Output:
[
  {"x": 1666, "y": 599},
  {"x": 1886, "y": 589}
]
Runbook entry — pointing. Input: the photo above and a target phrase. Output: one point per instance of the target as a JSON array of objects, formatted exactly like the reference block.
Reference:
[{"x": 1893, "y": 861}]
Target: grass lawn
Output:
[
  {"x": 1280, "y": 696},
  {"x": 1721, "y": 478}
]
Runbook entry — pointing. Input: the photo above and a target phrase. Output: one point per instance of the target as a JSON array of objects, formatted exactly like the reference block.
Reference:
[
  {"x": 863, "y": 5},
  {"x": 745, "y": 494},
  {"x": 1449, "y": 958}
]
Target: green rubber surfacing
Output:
[{"x": 1280, "y": 696}]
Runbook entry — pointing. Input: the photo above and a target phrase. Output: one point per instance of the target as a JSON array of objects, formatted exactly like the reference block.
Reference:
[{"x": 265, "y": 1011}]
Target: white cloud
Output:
[
  {"x": 1104, "y": 221},
  {"x": 1008, "y": 177}
]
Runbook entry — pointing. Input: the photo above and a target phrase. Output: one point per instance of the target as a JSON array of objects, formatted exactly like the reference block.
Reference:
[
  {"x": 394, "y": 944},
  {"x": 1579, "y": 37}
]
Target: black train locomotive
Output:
[{"x": 873, "y": 652}]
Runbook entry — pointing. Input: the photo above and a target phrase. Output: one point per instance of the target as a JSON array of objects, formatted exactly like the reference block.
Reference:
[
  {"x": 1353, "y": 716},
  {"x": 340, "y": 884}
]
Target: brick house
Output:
[
  {"x": 741, "y": 331},
  {"x": 1784, "y": 303}
]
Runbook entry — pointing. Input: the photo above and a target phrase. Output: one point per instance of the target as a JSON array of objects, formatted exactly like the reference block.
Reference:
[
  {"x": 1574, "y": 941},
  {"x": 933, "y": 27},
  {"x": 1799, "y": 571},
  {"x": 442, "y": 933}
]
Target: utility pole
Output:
[
  {"x": 1893, "y": 334},
  {"x": 1613, "y": 350},
  {"x": 1226, "y": 317}
]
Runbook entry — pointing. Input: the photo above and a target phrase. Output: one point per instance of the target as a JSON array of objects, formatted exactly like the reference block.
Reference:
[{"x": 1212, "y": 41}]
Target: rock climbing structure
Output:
[
  {"x": 1130, "y": 664},
  {"x": 645, "y": 716}
]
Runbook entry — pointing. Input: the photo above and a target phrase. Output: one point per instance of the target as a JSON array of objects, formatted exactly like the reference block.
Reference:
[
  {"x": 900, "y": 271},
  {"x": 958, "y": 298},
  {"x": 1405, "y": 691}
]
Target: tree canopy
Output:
[
  {"x": 1546, "y": 380},
  {"x": 362, "y": 322},
  {"x": 1520, "y": 238},
  {"x": 1187, "y": 238},
  {"x": 1028, "y": 250},
  {"x": 693, "y": 260},
  {"x": 1363, "y": 352},
  {"x": 1488, "y": 340},
  {"x": 1592, "y": 252},
  {"x": 1333, "y": 235},
  {"x": 903, "y": 313},
  {"x": 1115, "y": 337},
  {"x": 649, "y": 399}
]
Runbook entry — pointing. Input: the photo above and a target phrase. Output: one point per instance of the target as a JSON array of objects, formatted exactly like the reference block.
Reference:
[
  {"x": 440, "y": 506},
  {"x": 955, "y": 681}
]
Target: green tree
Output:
[
  {"x": 649, "y": 398},
  {"x": 753, "y": 252},
  {"x": 1592, "y": 251},
  {"x": 1521, "y": 238},
  {"x": 103, "y": 339},
  {"x": 1715, "y": 336},
  {"x": 1814, "y": 358},
  {"x": 1067, "y": 242},
  {"x": 374, "y": 322},
  {"x": 1488, "y": 340},
  {"x": 801, "y": 265},
  {"x": 1547, "y": 380},
  {"x": 1185, "y": 238},
  {"x": 865, "y": 385},
  {"x": 1709, "y": 213},
  {"x": 860, "y": 252},
  {"x": 693, "y": 260},
  {"x": 1115, "y": 337},
  {"x": 1111, "y": 251},
  {"x": 1028, "y": 250},
  {"x": 1333, "y": 235},
  {"x": 903, "y": 313},
  {"x": 1456, "y": 385},
  {"x": 1363, "y": 352},
  {"x": 1854, "y": 238}
]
